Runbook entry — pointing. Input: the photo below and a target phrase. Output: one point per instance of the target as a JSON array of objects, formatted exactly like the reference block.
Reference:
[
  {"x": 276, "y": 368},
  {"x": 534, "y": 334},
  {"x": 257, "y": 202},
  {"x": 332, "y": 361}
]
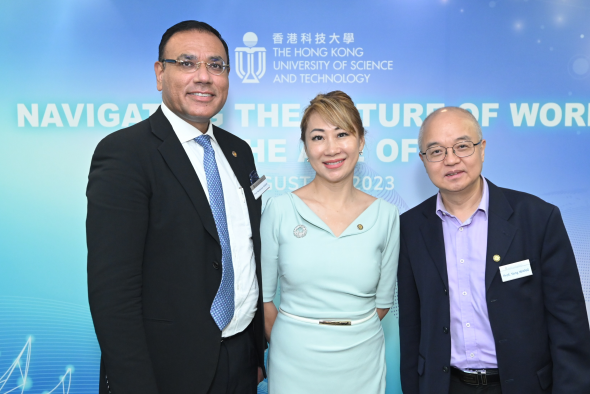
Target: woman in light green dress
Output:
[{"x": 334, "y": 250}]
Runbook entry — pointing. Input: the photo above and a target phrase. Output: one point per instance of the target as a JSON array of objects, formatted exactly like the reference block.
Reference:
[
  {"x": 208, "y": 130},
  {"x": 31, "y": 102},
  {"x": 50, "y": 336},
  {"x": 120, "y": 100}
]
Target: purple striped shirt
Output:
[{"x": 472, "y": 341}]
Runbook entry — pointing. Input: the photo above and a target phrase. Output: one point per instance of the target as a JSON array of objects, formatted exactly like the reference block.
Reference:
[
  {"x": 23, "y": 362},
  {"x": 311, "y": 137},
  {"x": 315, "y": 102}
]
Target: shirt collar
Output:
[
  {"x": 183, "y": 130},
  {"x": 483, "y": 204}
]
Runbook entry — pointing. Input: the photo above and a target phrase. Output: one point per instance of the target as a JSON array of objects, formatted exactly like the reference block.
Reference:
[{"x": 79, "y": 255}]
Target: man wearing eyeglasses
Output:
[
  {"x": 490, "y": 297},
  {"x": 173, "y": 237}
]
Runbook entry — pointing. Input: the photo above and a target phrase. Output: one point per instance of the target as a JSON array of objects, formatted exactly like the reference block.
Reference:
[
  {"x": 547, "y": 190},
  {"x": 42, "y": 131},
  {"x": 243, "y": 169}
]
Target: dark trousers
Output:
[
  {"x": 237, "y": 367},
  {"x": 458, "y": 387}
]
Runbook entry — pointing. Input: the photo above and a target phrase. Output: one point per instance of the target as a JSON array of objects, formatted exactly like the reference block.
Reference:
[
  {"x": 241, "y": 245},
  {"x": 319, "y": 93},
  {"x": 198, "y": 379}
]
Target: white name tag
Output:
[
  {"x": 259, "y": 187},
  {"x": 516, "y": 270}
]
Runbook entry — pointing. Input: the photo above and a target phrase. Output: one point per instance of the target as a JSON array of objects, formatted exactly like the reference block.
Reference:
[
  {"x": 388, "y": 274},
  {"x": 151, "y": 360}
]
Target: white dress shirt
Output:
[{"x": 238, "y": 221}]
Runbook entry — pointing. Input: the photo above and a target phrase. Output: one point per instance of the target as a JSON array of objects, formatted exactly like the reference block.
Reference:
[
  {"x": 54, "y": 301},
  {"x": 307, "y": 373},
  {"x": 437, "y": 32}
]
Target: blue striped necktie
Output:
[{"x": 223, "y": 305}]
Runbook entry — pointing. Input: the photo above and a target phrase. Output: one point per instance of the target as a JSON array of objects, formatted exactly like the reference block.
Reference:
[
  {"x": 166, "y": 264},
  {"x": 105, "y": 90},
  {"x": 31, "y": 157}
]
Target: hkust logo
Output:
[{"x": 250, "y": 60}]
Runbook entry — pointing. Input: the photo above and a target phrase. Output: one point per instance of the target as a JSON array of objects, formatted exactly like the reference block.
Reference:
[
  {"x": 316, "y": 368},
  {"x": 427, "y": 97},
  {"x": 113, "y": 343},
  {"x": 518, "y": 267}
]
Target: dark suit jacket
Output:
[
  {"x": 154, "y": 260},
  {"x": 539, "y": 322}
]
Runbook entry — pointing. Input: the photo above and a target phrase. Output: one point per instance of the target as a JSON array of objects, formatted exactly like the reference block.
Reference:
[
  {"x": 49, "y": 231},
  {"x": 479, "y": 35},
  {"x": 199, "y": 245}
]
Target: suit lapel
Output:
[
  {"x": 432, "y": 233},
  {"x": 500, "y": 231},
  {"x": 175, "y": 156},
  {"x": 239, "y": 167}
]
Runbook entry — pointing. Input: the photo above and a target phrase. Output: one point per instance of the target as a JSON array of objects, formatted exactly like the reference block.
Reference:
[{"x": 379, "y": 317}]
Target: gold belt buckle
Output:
[{"x": 336, "y": 322}]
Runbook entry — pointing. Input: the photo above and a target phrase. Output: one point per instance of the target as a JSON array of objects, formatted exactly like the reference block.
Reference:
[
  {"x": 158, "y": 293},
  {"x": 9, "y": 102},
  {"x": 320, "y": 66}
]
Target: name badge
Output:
[
  {"x": 259, "y": 187},
  {"x": 516, "y": 270}
]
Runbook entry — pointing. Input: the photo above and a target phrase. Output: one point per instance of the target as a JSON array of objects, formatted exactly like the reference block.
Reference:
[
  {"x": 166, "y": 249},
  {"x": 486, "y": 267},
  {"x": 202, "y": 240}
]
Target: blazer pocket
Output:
[
  {"x": 421, "y": 363},
  {"x": 545, "y": 376}
]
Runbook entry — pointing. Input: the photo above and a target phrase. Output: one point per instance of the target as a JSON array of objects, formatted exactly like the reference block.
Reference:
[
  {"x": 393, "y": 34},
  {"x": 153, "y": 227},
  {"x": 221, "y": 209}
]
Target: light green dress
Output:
[{"x": 327, "y": 277}]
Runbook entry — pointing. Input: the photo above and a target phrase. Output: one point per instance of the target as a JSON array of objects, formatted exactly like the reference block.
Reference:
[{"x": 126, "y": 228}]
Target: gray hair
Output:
[{"x": 462, "y": 111}]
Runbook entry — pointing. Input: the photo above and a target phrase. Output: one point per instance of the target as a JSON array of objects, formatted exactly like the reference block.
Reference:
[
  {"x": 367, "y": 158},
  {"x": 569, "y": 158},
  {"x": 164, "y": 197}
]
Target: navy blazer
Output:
[{"x": 539, "y": 322}]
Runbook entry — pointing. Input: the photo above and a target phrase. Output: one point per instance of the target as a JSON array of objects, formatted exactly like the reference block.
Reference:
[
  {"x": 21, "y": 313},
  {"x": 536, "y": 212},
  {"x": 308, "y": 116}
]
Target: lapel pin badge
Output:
[
  {"x": 496, "y": 258},
  {"x": 360, "y": 226},
  {"x": 234, "y": 153}
]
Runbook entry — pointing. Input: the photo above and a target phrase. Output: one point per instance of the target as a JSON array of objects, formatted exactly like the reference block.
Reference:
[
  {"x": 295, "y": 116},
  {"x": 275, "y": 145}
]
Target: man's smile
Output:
[{"x": 454, "y": 174}]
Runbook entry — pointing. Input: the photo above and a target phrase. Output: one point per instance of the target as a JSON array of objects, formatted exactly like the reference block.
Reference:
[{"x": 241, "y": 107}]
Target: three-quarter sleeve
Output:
[
  {"x": 389, "y": 261},
  {"x": 269, "y": 236}
]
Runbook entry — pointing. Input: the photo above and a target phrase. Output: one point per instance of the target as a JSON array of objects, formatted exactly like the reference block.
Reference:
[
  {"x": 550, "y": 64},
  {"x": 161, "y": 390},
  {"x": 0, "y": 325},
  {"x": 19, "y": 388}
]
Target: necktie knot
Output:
[{"x": 204, "y": 140}]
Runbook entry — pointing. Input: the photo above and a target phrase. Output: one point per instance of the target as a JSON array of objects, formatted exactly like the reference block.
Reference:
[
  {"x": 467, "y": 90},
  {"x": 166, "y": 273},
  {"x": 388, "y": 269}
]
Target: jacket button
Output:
[
  {"x": 216, "y": 265},
  {"x": 446, "y": 292},
  {"x": 445, "y": 369},
  {"x": 445, "y": 330}
]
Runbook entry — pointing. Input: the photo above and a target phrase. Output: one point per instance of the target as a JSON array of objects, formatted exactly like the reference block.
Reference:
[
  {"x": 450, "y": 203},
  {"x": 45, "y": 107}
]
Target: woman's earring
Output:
[
  {"x": 360, "y": 153},
  {"x": 306, "y": 159}
]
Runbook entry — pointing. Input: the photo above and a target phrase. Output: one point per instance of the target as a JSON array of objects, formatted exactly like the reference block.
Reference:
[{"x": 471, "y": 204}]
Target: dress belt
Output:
[
  {"x": 480, "y": 377},
  {"x": 329, "y": 322}
]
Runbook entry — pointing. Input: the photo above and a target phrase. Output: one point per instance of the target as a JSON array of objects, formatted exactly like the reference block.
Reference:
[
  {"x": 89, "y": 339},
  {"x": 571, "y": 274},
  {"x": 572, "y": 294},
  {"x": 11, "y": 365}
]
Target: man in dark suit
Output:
[
  {"x": 173, "y": 237},
  {"x": 489, "y": 292}
]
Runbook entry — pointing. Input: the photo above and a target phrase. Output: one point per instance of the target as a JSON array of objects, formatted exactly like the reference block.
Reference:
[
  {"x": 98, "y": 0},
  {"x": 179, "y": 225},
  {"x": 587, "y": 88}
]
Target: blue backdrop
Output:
[{"x": 76, "y": 70}]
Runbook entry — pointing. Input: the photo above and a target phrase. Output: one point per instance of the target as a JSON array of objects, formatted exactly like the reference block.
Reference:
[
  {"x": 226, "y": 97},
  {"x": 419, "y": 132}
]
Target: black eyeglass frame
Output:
[
  {"x": 447, "y": 150},
  {"x": 198, "y": 65}
]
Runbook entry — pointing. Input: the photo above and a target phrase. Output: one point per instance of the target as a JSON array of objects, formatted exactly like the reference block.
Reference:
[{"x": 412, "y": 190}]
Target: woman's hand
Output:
[
  {"x": 270, "y": 315},
  {"x": 380, "y": 312}
]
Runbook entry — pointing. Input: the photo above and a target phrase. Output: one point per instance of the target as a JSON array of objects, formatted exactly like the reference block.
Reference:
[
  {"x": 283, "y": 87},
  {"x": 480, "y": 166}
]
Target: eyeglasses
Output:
[
  {"x": 216, "y": 67},
  {"x": 460, "y": 149}
]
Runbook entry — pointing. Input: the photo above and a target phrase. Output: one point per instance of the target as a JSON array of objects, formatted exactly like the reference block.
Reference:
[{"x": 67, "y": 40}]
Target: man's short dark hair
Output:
[{"x": 187, "y": 26}]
